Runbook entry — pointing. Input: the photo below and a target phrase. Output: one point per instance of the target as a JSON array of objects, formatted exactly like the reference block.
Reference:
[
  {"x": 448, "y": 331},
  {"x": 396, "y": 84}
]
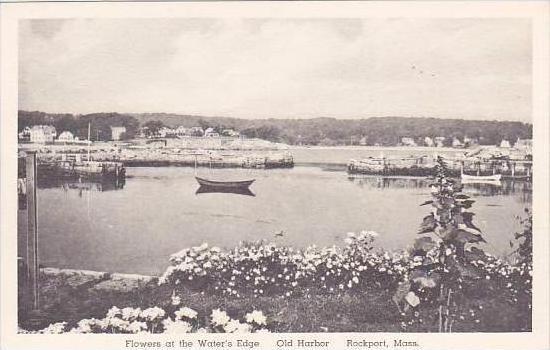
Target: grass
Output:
[{"x": 365, "y": 311}]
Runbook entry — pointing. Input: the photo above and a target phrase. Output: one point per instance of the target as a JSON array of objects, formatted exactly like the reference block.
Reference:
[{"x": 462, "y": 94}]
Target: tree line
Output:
[{"x": 385, "y": 131}]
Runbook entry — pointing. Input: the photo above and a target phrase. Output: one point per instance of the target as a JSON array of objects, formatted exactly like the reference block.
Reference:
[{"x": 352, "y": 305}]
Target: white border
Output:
[{"x": 538, "y": 11}]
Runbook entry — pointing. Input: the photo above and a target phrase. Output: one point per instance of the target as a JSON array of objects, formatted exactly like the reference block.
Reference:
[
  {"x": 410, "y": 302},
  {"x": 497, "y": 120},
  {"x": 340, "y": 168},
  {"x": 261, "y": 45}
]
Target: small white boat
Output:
[{"x": 487, "y": 178}]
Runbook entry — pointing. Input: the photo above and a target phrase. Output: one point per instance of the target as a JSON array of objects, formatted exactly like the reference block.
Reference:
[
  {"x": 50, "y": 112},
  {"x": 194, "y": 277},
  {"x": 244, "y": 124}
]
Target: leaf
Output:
[
  {"x": 464, "y": 236},
  {"x": 466, "y": 204},
  {"x": 462, "y": 196},
  {"x": 428, "y": 224},
  {"x": 426, "y": 203},
  {"x": 424, "y": 243}
]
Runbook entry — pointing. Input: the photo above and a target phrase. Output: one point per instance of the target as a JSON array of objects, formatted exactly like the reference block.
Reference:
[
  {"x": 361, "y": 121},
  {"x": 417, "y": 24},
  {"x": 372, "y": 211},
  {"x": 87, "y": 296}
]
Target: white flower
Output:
[
  {"x": 55, "y": 328},
  {"x": 219, "y": 318},
  {"x": 137, "y": 326},
  {"x": 113, "y": 312},
  {"x": 175, "y": 327},
  {"x": 185, "y": 312},
  {"x": 152, "y": 313},
  {"x": 263, "y": 330},
  {"x": 129, "y": 313},
  {"x": 355, "y": 279},
  {"x": 256, "y": 317},
  {"x": 231, "y": 326}
]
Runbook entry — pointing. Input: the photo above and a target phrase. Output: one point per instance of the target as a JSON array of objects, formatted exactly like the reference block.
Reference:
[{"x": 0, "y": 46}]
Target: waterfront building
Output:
[
  {"x": 505, "y": 144},
  {"x": 66, "y": 136},
  {"x": 457, "y": 143},
  {"x": 116, "y": 132},
  {"x": 42, "y": 133},
  {"x": 428, "y": 141},
  {"x": 210, "y": 132},
  {"x": 408, "y": 141},
  {"x": 197, "y": 131},
  {"x": 439, "y": 141}
]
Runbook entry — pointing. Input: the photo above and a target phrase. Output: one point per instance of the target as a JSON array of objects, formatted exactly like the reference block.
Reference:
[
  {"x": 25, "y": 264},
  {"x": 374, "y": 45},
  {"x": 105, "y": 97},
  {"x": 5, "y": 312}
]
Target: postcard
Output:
[{"x": 275, "y": 175}]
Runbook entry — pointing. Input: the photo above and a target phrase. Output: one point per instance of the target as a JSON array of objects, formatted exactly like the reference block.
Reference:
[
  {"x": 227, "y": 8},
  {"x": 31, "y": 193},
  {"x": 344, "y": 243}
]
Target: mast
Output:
[{"x": 89, "y": 140}]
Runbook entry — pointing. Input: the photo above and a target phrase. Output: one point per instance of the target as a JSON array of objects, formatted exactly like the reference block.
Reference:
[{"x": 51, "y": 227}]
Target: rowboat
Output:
[
  {"x": 487, "y": 178},
  {"x": 224, "y": 184}
]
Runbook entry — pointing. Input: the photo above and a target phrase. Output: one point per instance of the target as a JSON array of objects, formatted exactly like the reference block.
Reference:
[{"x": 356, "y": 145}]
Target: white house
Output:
[
  {"x": 116, "y": 132},
  {"x": 66, "y": 136},
  {"x": 408, "y": 141},
  {"x": 505, "y": 144},
  {"x": 428, "y": 141},
  {"x": 456, "y": 143},
  {"x": 211, "y": 133},
  {"x": 42, "y": 133},
  {"x": 439, "y": 141}
]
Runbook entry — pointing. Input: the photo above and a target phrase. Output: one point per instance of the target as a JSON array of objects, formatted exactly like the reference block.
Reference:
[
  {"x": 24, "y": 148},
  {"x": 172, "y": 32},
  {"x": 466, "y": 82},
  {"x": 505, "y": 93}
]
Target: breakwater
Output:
[
  {"x": 152, "y": 157},
  {"x": 423, "y": 166}
]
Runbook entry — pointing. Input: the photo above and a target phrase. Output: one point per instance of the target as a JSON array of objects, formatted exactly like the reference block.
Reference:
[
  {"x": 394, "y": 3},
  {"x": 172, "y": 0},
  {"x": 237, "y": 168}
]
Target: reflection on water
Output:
[
  {"x": 245, "y": 191},
  {"x": 79, "y": 184},
  {"x": 521, "y": 189}
]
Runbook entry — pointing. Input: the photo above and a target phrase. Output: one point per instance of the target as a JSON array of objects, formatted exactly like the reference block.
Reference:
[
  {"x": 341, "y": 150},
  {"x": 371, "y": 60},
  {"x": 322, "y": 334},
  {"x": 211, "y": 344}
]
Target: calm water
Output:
[{"x": 157, "y": 213}]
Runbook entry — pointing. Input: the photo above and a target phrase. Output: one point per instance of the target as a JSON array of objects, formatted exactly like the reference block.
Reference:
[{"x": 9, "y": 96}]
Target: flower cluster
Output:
[
  {"x": 157, "y": 320},
  {"x": 262, "y": 268}
]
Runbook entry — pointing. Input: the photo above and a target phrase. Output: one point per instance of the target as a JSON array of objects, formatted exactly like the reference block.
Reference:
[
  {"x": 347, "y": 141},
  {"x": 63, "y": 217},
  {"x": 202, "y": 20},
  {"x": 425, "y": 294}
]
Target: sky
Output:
[{"x": 278, "y": 68}]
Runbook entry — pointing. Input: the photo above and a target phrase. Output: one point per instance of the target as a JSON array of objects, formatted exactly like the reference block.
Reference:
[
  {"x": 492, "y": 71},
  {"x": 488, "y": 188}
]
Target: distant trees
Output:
[
  {"x": 99, "y": 123},
  {"x": 385, "y": 131},
  {"x": 153, "y": 127}
]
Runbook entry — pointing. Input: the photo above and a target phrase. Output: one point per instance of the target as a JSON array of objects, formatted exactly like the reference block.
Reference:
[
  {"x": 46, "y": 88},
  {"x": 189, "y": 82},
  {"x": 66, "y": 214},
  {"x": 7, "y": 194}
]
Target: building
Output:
[
  {"x": 456, "y": 143},
  {"x": 428, "y": 141},
  {"x": 197, "y": 131},
  {"x": 505, "y": 144},
  {"x": 117, "y": 132},
  {"x": 230, "y": 133},
  {"x": 408, "y": 141},
  {"x": 439, "y": 141},
  {"x": 42, "y": 133},
  {"x": 210, "y": 132},
  {"x": 66, "y": 136}
]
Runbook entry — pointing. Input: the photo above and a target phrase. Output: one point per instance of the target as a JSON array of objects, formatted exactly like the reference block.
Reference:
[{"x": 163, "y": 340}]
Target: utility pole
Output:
[{"x": 32, "y": 230}]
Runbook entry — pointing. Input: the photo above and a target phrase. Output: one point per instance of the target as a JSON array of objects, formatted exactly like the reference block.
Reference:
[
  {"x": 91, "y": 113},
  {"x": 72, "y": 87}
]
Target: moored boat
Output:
[
  {"x": 487, "y": 178},
  {"x": 224, "y": 184}
]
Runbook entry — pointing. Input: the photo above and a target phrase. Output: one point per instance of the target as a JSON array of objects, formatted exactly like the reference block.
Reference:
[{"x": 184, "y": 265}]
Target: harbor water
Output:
[{"x": 133, "y": 227}]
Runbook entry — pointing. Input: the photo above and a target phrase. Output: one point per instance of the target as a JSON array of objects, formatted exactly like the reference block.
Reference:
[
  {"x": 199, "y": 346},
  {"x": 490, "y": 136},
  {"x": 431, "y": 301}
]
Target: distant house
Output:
[
  {"x": 42, "y": 133},
  {"x": 66, "y": 136},
  {"x": 182, "y": 131},
  {"x": 468, "y": 142},
  {"x": 439, "y": 141},
  {"x": 408, "y": 141},
  {"x": 197, "y": 131},
  {"x": 116, "y": 132},
  {"x": 166, "y": 132},
  {"x": 456, "y": 143},
  {"x": 230, "y": 133},
  {"x": 505, "y": 144},
  {"x": 428, "y": 141},
  {"x": 363, "y": 141},
  {"x": 210, "y": 132},
  {"x": 526, "y": 143},
  {"x": 25, "y": 134}
]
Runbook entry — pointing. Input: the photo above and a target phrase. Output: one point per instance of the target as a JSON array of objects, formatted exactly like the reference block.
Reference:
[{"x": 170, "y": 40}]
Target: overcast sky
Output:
[{"x": 281, "y": 68}]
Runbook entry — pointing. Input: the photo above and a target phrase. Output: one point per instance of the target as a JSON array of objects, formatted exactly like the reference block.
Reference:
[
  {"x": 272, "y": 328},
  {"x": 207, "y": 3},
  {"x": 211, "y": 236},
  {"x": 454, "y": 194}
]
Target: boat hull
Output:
[
  {"x": 489, "y": 178},
  {"x": 224, "y": 184}
]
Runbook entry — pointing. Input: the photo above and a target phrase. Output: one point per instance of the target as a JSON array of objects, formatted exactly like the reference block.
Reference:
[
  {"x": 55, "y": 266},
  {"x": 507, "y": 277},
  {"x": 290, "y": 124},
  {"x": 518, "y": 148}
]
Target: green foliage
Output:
[
  {"x": 100, "y": 123},
  {"x": 385, "y": 131},
  {"x": 524, "y": 239},
  {"x": 442, "y": 263}
]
